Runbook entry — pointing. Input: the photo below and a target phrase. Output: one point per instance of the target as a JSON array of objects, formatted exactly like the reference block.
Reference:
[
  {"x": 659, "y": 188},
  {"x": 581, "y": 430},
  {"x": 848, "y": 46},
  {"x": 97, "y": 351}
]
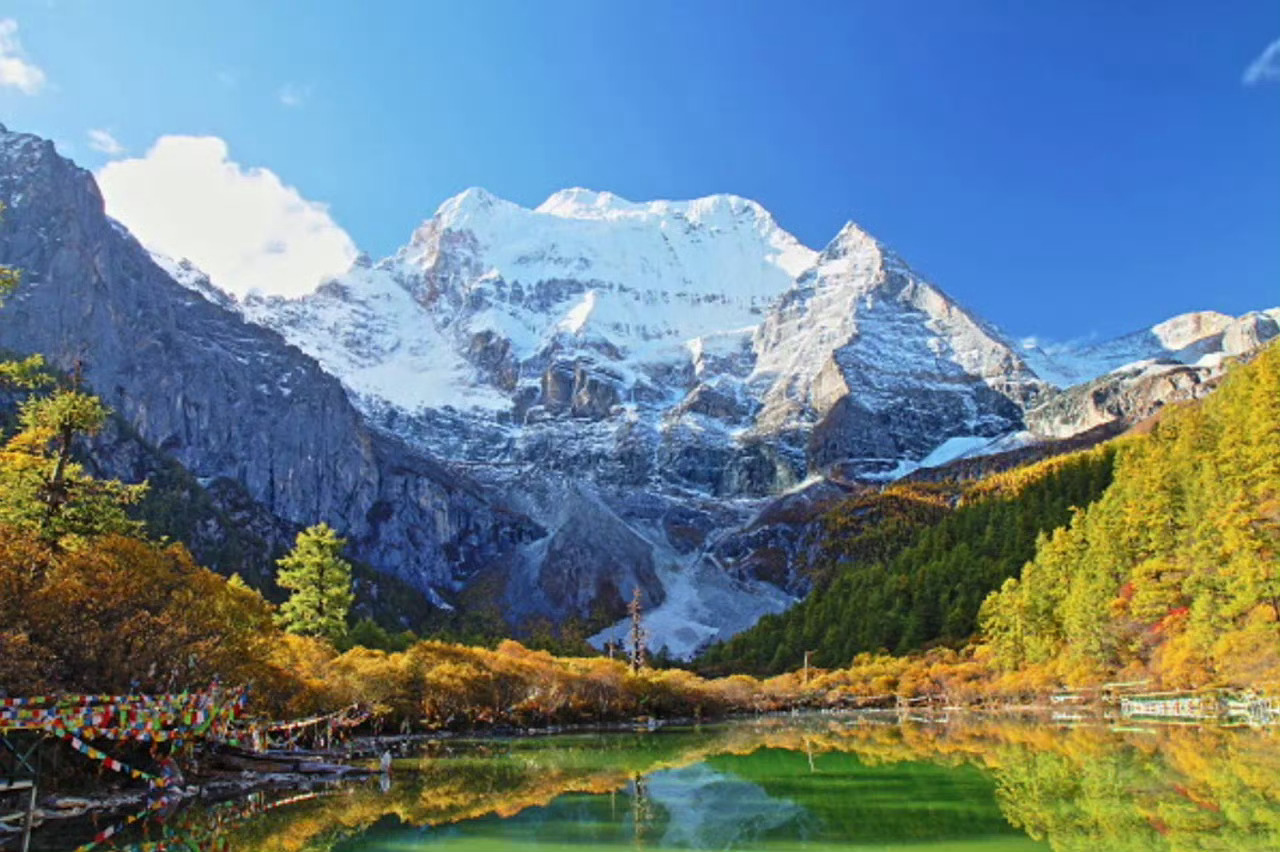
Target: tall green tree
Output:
[{"x": 320, "y": 580}]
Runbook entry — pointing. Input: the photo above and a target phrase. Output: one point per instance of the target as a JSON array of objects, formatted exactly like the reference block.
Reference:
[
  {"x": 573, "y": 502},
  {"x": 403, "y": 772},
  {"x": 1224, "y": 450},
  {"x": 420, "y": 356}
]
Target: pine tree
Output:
[
  {"x": 320, "y": 580},
  {"x": 1174, "y": 570},
  {"x": 44, "y": 490}
]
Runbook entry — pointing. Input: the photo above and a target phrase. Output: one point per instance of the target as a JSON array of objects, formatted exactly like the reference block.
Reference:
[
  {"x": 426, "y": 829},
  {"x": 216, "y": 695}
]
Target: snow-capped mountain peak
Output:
[
  {"x": 720, "y": 244},
  {"x": 717, "y": 210},
  {"x": 1184, "y": 330},
  {"x": 472, "y": 201},
  {"x": 862, "y": 344},
  {"x": 851, "y": 236},
  {"x": 494, "y": 292},
  {"x": 581, "y": 203}
]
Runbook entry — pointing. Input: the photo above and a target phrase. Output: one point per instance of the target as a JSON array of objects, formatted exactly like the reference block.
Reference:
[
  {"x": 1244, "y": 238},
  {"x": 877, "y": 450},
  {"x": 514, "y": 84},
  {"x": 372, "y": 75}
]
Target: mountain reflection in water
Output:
[{"x": 818, "y": 783}]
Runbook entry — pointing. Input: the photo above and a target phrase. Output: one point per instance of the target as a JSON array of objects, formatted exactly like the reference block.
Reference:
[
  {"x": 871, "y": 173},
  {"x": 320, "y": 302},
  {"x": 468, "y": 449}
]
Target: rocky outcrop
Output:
[
  {"x": 594, "y": 559},
  {"x": 226, "y": 398},
  {"x": 775, "y": 545},
  {"x": 1123, "y": 397},
  {"x": 1183, "y": 359}
]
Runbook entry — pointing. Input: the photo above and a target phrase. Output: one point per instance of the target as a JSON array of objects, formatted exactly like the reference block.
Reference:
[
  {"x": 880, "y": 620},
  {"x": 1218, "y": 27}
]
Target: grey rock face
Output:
[
  {"x": 225, "y": 398},
  {"x": 1123, "y": 397},
  {"x": 596, "y": 558},
  {"x": 868, "y": 365},
  {"x": 1179, "y": 360},
  {"x": 774, "y": 546},
  {"x": 492, "y": 355}
]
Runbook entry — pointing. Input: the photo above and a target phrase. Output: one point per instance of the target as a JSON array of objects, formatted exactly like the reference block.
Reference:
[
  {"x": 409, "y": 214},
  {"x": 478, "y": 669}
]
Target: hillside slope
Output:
[
  {"x": 900, "y": 569},
  {"x": 1175, "y": 571}
]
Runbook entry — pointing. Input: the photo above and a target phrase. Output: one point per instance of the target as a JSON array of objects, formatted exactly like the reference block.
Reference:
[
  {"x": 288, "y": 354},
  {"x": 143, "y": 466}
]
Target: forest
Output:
[
  {"x": 1175, "y": 571},
  {"x": 908, "y": 567}
]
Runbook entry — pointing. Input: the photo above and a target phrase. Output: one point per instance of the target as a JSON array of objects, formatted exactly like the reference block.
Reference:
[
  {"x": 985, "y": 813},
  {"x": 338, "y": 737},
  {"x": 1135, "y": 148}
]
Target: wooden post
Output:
[
  {"x": 20, "y": 771},
  {"x": 29, "y": 823}
]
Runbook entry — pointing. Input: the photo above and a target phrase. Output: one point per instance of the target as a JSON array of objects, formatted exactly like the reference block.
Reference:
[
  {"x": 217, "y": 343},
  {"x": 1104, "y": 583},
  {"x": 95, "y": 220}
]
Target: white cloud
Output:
[
  {"x": 1266, "y": 68},
  {"x": 102, "y": 140},
  {"x": 243, "y": 226},
  {"x": 15, "y": 70},
  {"x": 293, "y": 95}
]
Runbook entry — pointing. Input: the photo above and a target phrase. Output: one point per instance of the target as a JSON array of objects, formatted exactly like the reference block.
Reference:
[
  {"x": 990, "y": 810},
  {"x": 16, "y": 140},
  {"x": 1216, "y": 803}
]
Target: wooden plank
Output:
[{"x": 14, "y": 786}]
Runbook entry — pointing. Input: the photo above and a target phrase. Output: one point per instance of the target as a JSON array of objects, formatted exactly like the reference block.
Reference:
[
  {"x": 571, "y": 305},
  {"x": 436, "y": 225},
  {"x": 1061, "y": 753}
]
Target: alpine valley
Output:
[{"x": 536, "y": 411}]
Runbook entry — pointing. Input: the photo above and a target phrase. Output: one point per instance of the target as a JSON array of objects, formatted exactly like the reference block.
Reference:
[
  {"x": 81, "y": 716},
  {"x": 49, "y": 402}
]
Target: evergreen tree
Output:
[
  {"x": 45, "y": 491},
  {"x": 1175, "y": 570},
  {"x": 320, "y": 580}
]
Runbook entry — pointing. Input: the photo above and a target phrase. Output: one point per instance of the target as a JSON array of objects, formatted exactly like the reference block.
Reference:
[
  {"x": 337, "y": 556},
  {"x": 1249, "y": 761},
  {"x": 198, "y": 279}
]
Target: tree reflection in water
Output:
[{"x": 828, "y": 782}]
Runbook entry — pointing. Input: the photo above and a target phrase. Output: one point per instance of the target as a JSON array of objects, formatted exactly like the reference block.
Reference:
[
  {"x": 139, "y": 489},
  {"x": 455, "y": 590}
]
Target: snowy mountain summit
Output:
[
  {"x": 486, "y": 293},
  {"x": 642, "y": 378},
  {"x": 696, "y": 326}
]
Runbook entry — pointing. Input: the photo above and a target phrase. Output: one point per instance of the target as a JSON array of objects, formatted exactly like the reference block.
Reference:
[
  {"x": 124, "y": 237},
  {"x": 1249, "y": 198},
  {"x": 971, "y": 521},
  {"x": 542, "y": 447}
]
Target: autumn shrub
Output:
[{"x": 121, "y": 614}]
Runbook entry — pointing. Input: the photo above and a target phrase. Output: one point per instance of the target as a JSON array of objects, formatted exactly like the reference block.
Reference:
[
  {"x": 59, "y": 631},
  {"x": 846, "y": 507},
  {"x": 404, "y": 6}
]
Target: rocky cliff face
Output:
[
  {"x": 226, "y": 398},
  {"x": 872, "y": 366},
  {"x": 1129, "y": 379},
  {"x": 570, "y": 401}
]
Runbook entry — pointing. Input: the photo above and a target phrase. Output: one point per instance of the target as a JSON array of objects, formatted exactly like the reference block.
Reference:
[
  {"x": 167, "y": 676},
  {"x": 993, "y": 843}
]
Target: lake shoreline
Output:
[
  {"x": 357, "y": 759},
  {"x": 475, "y": 781}
]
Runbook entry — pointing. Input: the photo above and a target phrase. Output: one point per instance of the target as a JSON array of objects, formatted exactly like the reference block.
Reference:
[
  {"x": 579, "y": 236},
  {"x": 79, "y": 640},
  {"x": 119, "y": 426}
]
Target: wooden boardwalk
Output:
[{"x": 1216, "y": 706}]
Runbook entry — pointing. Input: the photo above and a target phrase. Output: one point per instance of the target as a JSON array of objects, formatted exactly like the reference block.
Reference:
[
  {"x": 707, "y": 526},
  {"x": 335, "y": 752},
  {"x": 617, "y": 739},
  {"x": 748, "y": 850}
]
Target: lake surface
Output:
[{"x": 815, "y": 783}]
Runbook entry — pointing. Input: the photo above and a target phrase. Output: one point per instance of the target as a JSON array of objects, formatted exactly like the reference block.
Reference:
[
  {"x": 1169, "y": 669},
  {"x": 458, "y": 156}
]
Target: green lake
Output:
[{"x": 814, "y": 783}]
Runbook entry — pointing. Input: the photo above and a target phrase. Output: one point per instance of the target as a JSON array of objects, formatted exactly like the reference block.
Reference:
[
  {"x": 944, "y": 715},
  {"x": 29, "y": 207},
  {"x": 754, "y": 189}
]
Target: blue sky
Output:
[{"x": 1062, "y": 168}]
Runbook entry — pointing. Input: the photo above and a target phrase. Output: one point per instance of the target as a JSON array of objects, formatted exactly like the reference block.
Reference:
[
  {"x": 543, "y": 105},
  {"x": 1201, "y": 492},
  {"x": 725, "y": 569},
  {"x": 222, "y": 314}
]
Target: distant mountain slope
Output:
[{"x": 1201, "y": 337}]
